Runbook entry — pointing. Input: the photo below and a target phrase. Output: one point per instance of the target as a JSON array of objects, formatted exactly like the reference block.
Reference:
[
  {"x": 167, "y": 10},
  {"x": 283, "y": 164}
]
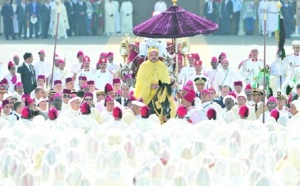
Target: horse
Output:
[{"x": 163, "y": 104}]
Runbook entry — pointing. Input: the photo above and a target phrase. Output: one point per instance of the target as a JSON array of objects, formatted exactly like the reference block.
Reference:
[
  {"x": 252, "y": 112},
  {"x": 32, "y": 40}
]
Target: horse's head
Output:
[{"x": 163, "y": 96}]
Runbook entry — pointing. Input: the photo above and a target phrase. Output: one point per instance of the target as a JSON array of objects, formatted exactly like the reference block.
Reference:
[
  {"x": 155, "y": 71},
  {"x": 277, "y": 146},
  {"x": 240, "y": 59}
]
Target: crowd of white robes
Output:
[{"x": 77, "y": 151}]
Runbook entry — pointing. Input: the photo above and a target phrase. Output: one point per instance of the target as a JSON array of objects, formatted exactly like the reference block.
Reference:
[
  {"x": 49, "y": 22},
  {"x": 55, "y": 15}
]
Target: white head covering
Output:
[
  {"x": 253, "y": 47},
  {"x": 295, "y": 42},
  {"x": 73, "y": 99}
]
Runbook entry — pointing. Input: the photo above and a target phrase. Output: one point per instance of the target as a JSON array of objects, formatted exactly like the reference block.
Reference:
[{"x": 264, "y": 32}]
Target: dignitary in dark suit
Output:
[
  {"x": 226, "y": 16},
  {"x": 210, "y": 10},
  {"x": 81, "y": 17},
  {"x": 34, "y": 8},
  {"x": 8, "y": 15},
  {"x": 27, "y": 72},
  {"x": 70, "y": 7},
  {"x": 22, "y": 16},
  {"x": 123, "y": 99},
  {"x": 287, "y": 11},
  {"x": 45, "y": 11}
]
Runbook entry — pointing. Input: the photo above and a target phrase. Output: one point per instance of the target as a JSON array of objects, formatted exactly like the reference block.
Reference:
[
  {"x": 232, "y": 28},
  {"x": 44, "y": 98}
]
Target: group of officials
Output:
[
  {"x": 199, "y": 93},
  {"x": 75, "y": 18}
]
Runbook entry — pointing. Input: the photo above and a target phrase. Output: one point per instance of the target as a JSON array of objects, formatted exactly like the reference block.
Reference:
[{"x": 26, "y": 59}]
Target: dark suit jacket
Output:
[
  {"x": 7, "y": 12},
  {"x": 119, "y": 100},
  {"x": 219, "y": 101},
  {"x": 22, "y": 14},
  {"x": 70, "y": 8},
  {"x": 226, "y": 9},
  {"x": 26, "y": 79},
  {"x": 31, "y": 9},
  {"x": 45, "y": 12},
  {"x": 79, "y": 9}
]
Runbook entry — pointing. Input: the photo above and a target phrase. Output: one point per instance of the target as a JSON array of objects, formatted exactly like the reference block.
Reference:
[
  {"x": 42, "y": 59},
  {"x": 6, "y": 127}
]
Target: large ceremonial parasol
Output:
[{"x": 175, "y": 23}]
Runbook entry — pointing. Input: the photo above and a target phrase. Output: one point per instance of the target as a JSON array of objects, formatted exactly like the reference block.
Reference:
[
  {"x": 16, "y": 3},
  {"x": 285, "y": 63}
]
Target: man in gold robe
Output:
[{"x": 150, "y": 72}]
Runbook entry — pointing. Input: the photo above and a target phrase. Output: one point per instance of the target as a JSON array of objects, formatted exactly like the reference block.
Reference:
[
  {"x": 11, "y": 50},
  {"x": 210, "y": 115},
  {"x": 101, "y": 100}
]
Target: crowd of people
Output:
[
  {"x": 69, "y": 126},
  {"x": 24, "y": 20}
]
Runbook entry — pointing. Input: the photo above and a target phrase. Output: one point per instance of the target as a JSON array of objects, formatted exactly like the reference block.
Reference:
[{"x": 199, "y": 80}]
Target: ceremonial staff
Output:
[
  {"x": 264, "y": 81},
  {"x": 55, "y": 43}
]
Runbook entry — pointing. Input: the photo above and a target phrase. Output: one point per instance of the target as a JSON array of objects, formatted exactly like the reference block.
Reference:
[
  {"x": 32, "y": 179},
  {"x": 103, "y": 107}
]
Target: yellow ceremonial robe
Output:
[{"x": 150, "y": 73}]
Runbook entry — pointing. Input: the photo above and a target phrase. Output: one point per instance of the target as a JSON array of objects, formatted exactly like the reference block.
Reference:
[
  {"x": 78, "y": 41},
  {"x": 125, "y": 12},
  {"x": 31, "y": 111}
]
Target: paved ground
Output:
[{"x": 236, "y": 47}]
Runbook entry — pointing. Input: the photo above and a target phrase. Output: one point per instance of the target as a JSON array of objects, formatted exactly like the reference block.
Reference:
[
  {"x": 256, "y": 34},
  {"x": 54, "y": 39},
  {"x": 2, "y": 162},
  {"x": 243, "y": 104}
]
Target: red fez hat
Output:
[
  {"x": 196, "y": 56},
  {"x": 244, "y": 111},
  {"x": 25, "y": 96},
  {"x": 211, "y": 114},
  {"x": 116, "y": 80},
  {"x": 107, "y": 99},
  {"x": 233, "y": 94},
  {"x": 189, "y": 83},
  {"x": 131, "y": 93},
  {"x": 57, "y": 82},
  {"x": 83, "y": 78},
  {"x": 66, "y": 91},
  {"x": 214, "y": 59},
  {"x": 80, "y": 53},
  {"x": 212, "y": 89},
  {"x": 204, "y": 91},
  {"x": 69, "y": 79},
  {"x": 41, "y": 52},
  {"x": 110, "y": 54},
  {"x": 181, "y": 111},
  {"x": 131, "y": 98},
  {"x": 10, "y": 64},
  {"x": 52, "y": 114},
  {"x": 117, "y": 113},
  {"x": 5, "y": 102},
  {"x": 145, "y": 112},
  {"x": 41, "y": 77},
  {"x": 103, "y": 55},
  {"x": 29, "y": 101},
  {"x": 86, "y": 59},
  {"x": 272, "y": 99},
  {"x": 60, "y": 61},
  {"x": 190, "y": 56},
  {"x": 84, "y": 86},
  {"x": 275, "y": 114},
  {"x": 4, "y": 81},
  {"x": 190, "y": 96},
  {"x": 91, "y": 82},
  {"x": 85, "y": 108},
  {"x": 26, "y": 113},
  {"x": 238, "y": 83},
  {"x": 19, "y": 84},
  {"x": 102, "y": 60},
  {"x": 223, "y": 54},
  {"x": 108, "y": 88},
  {"x": 198, "y": 62},
  {"x": 248, "y": 87},
  {"x": 87, "y": 94},
  {"x": 185, "y": 88}
]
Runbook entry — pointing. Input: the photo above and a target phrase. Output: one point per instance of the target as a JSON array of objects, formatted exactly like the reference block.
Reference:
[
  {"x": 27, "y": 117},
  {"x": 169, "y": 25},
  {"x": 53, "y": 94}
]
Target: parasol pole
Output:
[
  {"x": 54, "y": 52},
  {"x": 177, "y": 67},
  {"x": 264, "y": 81}
]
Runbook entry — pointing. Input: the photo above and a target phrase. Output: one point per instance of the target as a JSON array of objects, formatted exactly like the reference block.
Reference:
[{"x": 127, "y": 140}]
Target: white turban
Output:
[{"x": 296, "y": 42}]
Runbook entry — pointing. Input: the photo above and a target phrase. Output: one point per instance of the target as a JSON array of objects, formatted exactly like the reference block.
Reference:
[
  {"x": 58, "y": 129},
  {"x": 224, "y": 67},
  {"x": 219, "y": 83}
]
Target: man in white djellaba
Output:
[
  {"x": 126, "y": 17},
  {"x": 63, "y": 24},
  {"x": 160, "y": 6},
  {"x": 117, "y": 17},
  {"x": 109, "y": 17}
]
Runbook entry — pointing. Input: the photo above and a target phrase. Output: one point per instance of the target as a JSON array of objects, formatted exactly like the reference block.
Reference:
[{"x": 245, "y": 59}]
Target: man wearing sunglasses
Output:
[
  {"x": 88, "y": 98},
  {"x": 65, "y": 99}
]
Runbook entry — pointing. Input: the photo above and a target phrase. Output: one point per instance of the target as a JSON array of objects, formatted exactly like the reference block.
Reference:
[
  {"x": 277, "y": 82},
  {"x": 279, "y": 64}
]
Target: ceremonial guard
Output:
[
  {"x": 12, "y": 77},
  {"x": 258, "y": 104},
  {"x": 102, "y": 76},
  {"x": 61, "y": 73},
  {"x": 42, "y": 67},
  {"x": 198, "y": 73},
  {"x": 225, "y": 76},
  {"x": 251, "y": 67},
  {"x": 188, "y": 70}
]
